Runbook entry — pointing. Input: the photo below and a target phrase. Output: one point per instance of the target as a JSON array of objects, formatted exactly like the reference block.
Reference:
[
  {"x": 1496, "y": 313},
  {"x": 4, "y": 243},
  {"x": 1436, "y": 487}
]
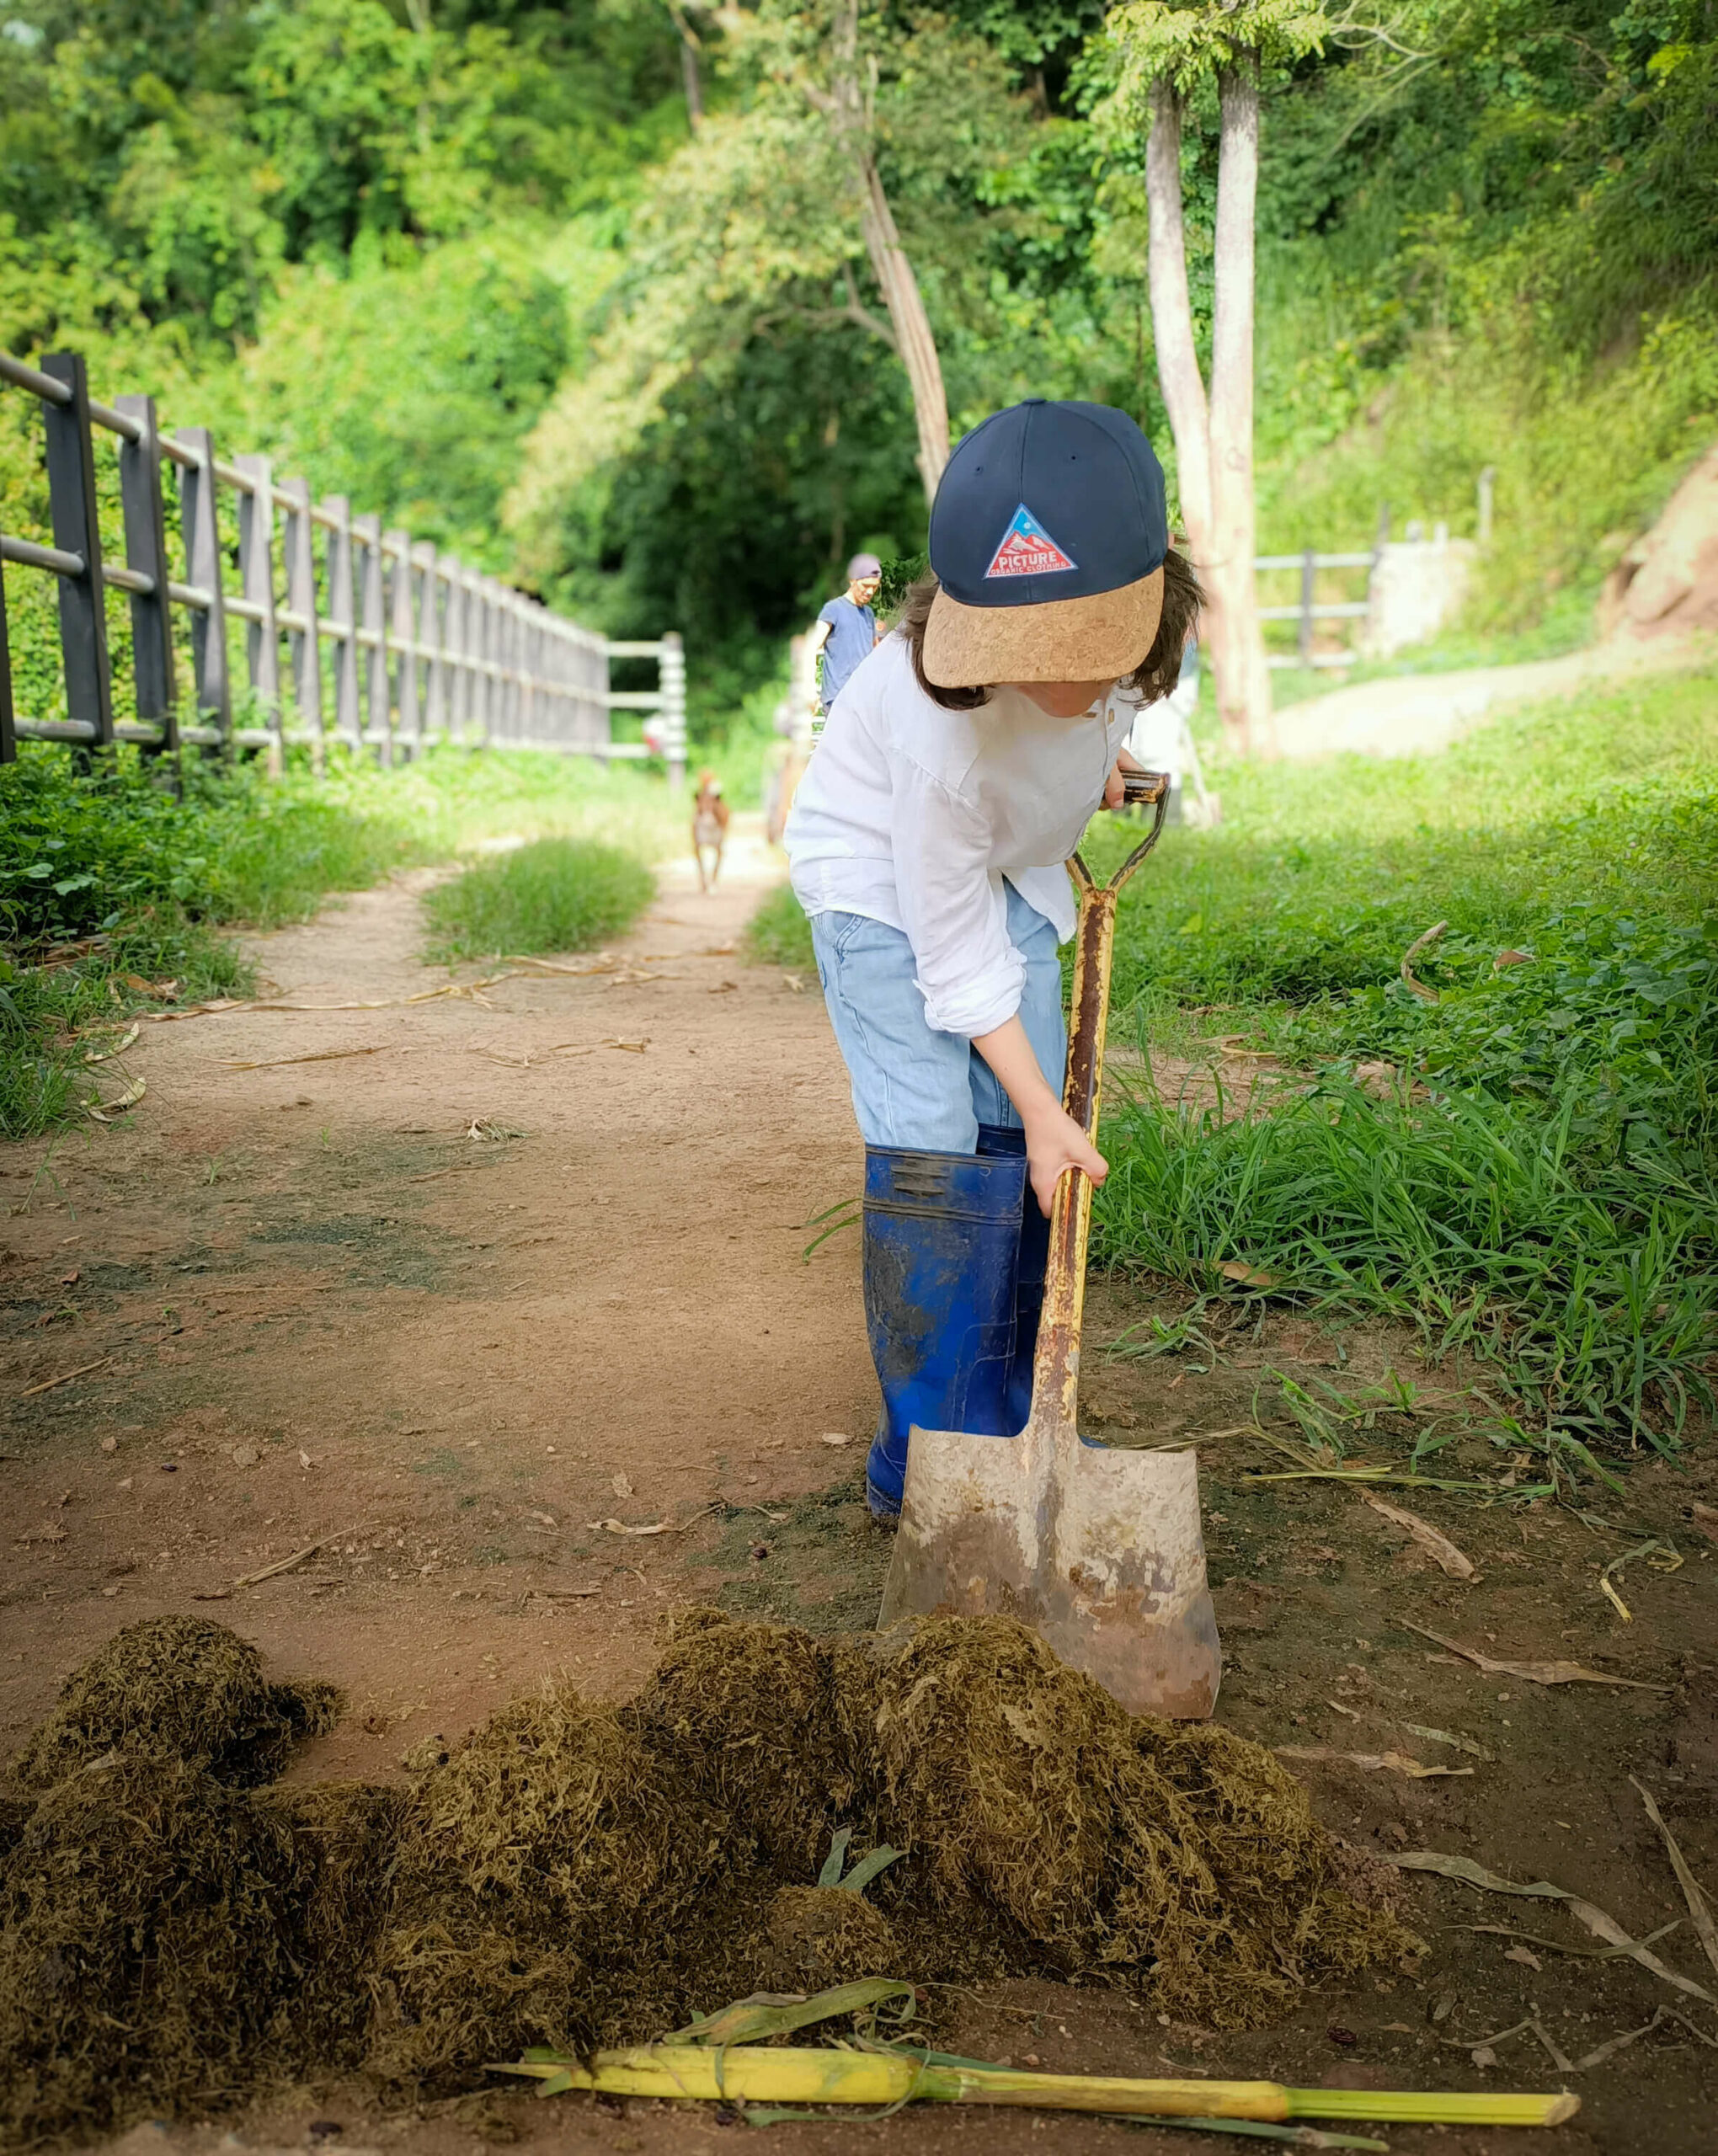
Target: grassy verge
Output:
[
  {"x": 553, "y": 894},
  {"x": 113, "y": 889},
  {"x": 778, "y": 934},
  {"x": 1522, "y": 1157}
]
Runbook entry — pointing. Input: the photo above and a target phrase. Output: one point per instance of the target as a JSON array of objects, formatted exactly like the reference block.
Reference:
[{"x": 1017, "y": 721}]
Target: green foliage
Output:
[
  {"x": 554, "y": 895},
  {"x": 778, "y": 934},
  {"x": 1527, "y": 1166},
  {"x": 53, "y": 1016}
]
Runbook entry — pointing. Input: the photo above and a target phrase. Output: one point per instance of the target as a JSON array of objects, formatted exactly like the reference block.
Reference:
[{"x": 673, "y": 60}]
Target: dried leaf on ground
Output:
[
  {"x": 1531, "y": 1673},
  {"x": 194, "y": 1010},
  {"x": 119, "y": 1048},
  {"x": 1438, "y": 1546},
  {"x": 622, "y": 1486},
  {"x": 1705, "y": 1518},
  {"x": 1415, "y": 986},
  {"x": 1246, "y": 1276},
  {"x": 620, "y": 1527},
  {"x": 633, "y": 1048},
  {"x": 833, "y": 1438},
  {"x": 1396, "y": 1763},
  {"x": 101, "y": 1110},
  {"x": 46, "y": 1533},
  {"x": 1699, "y": 1909},
  {"x": 1450, "y": 1737},
  {"x": 1596, "y": 1919}
]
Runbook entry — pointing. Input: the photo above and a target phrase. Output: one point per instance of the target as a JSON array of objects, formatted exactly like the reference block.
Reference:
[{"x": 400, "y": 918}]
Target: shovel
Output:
[{"x": 1100, "y": 1552}]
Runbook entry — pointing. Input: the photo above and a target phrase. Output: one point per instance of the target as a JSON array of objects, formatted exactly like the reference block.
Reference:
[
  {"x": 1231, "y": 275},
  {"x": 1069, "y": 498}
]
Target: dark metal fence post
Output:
[
  {"x": 146, "y": 549},
  {"x": 433, "y": 672},
  {"x": 373, "y": 621},
  {"x": 342, "y": 617},
  {"x": 256, "y": 567},
  {"x": 408, "y": 731},
  {"x": 298, "y": 543},
  {"x": 9, "y": 733},
  {"x": 1309, "y": 566},
  {"x": 202, "y": 536},
  {"x": 89, "y": 689}
]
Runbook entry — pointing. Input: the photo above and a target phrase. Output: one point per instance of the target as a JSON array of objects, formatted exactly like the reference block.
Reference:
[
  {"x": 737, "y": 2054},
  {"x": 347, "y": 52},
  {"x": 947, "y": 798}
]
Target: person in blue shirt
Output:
[{"x": 847, "y": 629}]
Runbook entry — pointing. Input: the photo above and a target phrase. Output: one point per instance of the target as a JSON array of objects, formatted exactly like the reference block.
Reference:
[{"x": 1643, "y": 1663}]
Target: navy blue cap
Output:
[{"x": 1048, "y": 501}]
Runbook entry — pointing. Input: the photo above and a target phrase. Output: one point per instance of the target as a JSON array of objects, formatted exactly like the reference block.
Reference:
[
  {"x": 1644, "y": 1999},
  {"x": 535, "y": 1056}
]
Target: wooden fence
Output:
[
  {"x": 387, "y": 645},
  {"x": 1308, "y": 610}
]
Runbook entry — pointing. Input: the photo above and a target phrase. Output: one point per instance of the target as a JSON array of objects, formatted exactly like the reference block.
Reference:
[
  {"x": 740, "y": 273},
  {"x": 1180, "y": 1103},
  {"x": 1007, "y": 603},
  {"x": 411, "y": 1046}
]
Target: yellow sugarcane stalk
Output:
[{"x": 740, "y": 2073}]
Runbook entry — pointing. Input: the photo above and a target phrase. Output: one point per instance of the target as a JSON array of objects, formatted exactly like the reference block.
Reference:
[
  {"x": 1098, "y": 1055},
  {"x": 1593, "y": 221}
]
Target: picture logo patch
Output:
[{"x": 1028, "y": 549}]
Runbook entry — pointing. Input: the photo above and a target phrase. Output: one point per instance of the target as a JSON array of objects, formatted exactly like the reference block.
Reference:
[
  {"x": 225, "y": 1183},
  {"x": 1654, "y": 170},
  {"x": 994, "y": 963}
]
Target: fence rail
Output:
[
  {"x": 389, "y": 644},
  {"x": 1308, "y": 610}
]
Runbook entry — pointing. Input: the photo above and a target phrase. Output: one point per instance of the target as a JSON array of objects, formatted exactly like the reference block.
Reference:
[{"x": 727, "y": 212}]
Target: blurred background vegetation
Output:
[{"x": 467, "y": 261}]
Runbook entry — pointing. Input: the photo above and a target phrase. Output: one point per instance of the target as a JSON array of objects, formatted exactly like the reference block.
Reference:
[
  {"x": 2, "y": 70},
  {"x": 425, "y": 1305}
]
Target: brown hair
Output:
[{"x": 1154, "y": 677}]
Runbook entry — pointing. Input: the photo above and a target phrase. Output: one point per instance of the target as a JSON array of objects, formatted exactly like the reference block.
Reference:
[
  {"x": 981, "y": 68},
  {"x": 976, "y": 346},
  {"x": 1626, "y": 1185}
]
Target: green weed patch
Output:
[
  {"x": 778, "y": 934},
  {"x": 1517, "y": 1149},
  {"x": 555, "y": 894}
]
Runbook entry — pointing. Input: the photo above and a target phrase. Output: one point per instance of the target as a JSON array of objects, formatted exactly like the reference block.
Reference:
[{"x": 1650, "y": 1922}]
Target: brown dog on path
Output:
[{"x": 710, "y": 814}]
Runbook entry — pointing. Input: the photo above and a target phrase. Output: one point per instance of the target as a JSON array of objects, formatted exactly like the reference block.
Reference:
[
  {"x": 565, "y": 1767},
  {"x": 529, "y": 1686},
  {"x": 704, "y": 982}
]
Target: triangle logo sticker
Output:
[{"x": 1027, "y": 549}]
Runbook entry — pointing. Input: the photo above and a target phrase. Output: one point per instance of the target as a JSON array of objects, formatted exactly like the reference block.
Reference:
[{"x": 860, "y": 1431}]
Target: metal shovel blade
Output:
[{"x": 1101, "y": 1554}]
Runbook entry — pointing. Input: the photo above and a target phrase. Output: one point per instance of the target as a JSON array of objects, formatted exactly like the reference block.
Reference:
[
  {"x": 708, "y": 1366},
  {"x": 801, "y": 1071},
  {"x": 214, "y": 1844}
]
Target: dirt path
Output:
[
  {"x": 1416, "y": 714},
  {"x": 318, "y": 1307}
]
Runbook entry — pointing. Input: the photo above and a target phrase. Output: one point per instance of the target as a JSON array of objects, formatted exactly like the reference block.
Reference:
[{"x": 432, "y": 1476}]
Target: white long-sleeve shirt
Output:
[{"x": 916, "y": 816}]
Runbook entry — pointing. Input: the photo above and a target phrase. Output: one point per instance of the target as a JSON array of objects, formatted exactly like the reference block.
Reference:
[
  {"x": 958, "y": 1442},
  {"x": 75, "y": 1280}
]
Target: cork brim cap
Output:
[{"x": 1102, "y": 638}]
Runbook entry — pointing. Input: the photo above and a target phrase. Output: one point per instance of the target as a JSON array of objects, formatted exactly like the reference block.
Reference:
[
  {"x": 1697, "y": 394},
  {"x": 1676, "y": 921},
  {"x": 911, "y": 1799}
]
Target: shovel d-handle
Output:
[{"x": 1056, "y": 1365}]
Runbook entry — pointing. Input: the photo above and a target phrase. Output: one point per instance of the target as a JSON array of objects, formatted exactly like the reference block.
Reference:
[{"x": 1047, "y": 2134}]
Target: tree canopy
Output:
[{"x": 464, "y": 260}]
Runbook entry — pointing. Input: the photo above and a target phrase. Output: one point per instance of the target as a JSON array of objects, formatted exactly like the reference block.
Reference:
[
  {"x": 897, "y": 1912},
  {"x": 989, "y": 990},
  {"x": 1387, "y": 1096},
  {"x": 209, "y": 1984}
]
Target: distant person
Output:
[{"x": 847, "y": 629}]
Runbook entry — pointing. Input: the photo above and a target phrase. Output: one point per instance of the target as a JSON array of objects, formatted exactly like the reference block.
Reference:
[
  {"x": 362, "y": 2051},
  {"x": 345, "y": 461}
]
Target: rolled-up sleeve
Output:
[{"x": 954, "y": 907}]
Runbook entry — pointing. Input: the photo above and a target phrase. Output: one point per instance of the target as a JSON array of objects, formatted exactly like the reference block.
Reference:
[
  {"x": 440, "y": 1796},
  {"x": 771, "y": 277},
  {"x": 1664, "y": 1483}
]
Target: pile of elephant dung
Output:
[{"x": 176, "y": 1933}]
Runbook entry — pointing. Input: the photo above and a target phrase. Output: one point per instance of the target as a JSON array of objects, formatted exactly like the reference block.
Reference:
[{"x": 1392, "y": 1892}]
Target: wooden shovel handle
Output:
[{"x": 1056, "y": 1365}]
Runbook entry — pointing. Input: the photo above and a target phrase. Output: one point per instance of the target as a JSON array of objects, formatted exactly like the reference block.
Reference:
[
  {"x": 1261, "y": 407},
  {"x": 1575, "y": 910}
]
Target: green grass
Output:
[
  {"x": 553, "y": 894},
  {"x": 1539, "y": 1181},
  {"x": 778, "y": 934}
]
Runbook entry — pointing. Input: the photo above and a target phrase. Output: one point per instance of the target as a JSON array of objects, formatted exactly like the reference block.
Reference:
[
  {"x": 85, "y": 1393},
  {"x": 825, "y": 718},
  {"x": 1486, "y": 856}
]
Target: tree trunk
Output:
[
  {"x": 691, "y": 81},
  {"x": 889, "y": 265},
  {"x": 912, "y": 327},
  {"x": 1243, "y": 680},
  {"x": 1172, "y": 318}
]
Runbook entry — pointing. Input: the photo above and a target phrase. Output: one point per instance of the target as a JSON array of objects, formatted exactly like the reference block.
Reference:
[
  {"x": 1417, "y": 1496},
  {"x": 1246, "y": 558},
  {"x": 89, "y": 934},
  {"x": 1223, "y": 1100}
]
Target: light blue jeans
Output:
[{"x": 914, "y": 1088}]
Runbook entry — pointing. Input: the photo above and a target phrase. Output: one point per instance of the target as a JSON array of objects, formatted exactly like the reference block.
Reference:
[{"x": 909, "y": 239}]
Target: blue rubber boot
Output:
[
  {"x": 999, "y": 1140},
  {"x": 941, "y": 1234},
  {"x": 1003, "y": 1141}
]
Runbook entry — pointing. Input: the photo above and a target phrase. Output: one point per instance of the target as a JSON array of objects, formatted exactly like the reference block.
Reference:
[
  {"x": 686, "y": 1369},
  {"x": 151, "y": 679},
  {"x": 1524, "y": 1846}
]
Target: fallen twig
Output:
[
  {"x": 1396, "y": 1763},
  {"x": 1598, "y": 2056},
  {"x": 1692, "y": 1893},
  {"x": 656, "y": 1527},
  {"x": 1533, "y": 1673},
  {"x": 321, "y": 1056},
  {"x": 298, "y": 1556},
  {"x": 65, "y": 1377}
]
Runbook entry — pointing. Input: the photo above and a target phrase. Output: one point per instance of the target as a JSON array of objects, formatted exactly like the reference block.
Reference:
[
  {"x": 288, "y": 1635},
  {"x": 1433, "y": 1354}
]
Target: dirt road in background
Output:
[{"x": 474, "y": 1278}]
